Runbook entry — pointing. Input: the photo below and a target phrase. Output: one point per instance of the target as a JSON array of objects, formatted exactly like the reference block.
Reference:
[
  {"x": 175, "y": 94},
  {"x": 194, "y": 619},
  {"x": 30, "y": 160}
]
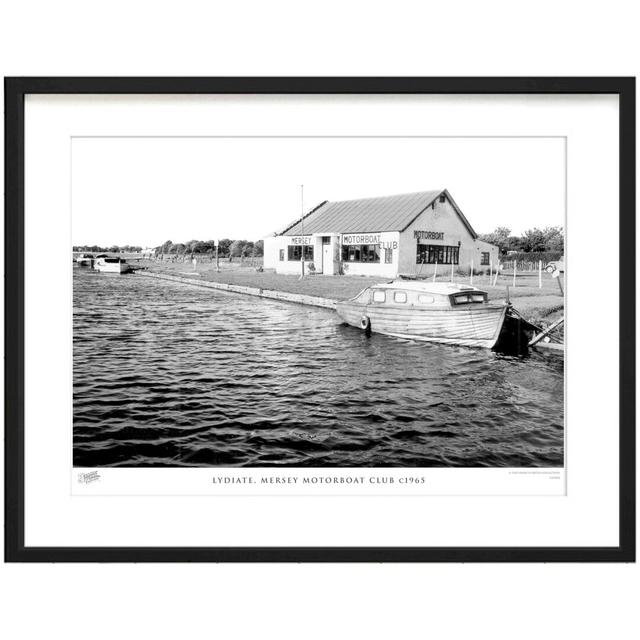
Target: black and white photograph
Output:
[
  {"x": 318, "y": 301},
  {"x": 282, "y": 322}
]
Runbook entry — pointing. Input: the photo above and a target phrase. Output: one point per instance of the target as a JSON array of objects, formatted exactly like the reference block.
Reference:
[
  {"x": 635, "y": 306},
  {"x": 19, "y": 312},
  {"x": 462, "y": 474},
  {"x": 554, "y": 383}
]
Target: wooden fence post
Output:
[
  {"x": 540, "y": 274},
  {"x": 435, "y": 270},
  {"x": 515, "y": 266}
]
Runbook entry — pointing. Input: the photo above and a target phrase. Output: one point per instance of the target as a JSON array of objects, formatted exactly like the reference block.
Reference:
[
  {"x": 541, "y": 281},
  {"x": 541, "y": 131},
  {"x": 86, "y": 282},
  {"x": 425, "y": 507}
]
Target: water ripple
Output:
[{"x": 169, "y": 375}]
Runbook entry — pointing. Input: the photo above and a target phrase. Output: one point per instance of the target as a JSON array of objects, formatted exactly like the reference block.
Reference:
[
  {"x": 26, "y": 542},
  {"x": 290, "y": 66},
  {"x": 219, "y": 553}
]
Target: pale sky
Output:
[{"x": 144, "y": 191}]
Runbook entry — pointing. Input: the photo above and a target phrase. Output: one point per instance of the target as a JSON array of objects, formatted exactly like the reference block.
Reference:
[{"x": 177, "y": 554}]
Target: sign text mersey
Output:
[{"x": 301, "y": 240}]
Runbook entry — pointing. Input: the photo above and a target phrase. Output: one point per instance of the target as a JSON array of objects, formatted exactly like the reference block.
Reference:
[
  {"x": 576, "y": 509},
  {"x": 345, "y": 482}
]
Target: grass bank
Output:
[{"x": 542, "y": 306}]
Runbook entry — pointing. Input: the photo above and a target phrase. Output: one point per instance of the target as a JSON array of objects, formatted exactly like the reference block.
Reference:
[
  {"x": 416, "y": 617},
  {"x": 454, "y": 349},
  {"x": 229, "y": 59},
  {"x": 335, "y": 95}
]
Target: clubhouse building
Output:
[{"x": 408, "y": 234}]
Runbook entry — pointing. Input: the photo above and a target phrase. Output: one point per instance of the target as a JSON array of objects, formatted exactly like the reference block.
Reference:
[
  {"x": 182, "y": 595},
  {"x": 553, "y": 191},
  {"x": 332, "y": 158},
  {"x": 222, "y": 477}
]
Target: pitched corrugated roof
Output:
[{"x": 367, "y": 215}]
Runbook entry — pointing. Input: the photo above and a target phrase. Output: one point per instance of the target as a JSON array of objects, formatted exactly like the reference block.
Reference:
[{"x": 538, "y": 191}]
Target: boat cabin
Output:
[
  {"x": 402, "y": 294},
  {"x": 113, "y": 260}
]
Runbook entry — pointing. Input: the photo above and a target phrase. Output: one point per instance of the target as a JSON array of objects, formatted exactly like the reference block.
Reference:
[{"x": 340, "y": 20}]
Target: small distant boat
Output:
[
  {"x": 111, "y": 265},
  {"x": 84, "y": 260},
  {"x": 429, "y": 312}
]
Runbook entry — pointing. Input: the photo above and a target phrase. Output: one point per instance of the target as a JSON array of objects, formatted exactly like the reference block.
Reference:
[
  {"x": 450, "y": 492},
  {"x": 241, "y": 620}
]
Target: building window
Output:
[
  {"x": 443, "y": 199},
  {"x": 484, "y": 258},
  {"x": 379, "y": 295},
  {"x": 437, "y": 254},
  {"x": 388, "y": 256},
  {"x": 361, "y": 253},
  {"x": 295, "y": 252},
  {"x": 281, "y": 255},
  {"x": 399, "y": 296},
  {"x": 326, "y": 239}
]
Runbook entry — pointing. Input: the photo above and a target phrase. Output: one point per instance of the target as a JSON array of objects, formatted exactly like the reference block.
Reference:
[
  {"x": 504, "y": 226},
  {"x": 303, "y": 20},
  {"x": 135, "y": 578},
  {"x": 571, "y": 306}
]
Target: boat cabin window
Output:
[
  {"x": 379, "y": 295},
  {"x": 399, "y": 296},
  {"x": 466, "y": 298},
  {"x": 423, "y": 298}
]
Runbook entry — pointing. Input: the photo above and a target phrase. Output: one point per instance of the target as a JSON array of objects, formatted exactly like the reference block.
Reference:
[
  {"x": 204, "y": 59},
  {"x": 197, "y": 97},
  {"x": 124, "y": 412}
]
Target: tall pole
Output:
[
  {"x": 302, "y": 224},
  {"x": 540, "y": 274}
]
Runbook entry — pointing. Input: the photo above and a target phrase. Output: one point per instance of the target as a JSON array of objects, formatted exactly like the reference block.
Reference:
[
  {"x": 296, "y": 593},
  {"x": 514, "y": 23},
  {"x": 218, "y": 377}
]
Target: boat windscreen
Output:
[
  {"x": 363, "y": 296},
  {"x": 466, "y": 298}
]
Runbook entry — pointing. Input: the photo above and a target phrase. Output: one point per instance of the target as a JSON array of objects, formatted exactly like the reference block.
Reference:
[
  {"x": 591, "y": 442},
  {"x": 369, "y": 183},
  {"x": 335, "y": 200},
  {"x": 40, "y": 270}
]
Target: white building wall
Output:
[
  {"x": 492, "y": 250},
  {"x": 274, "y": 245},
  {"x": 388, "y": 239},
  {"x": 441, "y": 219},
  {"x": 270, "y": 259}
]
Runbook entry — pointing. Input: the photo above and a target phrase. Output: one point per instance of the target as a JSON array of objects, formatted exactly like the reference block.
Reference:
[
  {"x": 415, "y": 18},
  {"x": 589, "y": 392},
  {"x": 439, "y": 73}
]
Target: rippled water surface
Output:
[{"x": 172, "y": 375}]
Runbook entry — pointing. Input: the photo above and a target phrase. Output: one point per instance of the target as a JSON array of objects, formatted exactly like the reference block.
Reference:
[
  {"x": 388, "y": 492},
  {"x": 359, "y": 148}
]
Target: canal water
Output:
[{"x": 171, "y": 375}]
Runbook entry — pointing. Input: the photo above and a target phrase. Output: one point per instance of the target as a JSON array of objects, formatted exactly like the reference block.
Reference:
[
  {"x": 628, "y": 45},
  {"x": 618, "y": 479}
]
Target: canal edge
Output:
[{"x": 272, "y": 294}]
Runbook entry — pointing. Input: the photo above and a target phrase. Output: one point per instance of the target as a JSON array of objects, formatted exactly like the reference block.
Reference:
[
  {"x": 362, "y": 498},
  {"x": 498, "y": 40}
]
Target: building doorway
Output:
[{"x": 327, "y": 256}]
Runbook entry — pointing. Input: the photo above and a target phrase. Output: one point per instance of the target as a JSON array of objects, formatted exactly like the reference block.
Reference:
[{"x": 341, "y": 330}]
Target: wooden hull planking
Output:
[{"x": 468, "y": 325}]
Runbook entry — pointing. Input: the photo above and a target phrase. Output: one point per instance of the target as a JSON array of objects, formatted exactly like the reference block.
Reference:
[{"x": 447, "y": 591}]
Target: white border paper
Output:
[{"x": 587, "y": 515}]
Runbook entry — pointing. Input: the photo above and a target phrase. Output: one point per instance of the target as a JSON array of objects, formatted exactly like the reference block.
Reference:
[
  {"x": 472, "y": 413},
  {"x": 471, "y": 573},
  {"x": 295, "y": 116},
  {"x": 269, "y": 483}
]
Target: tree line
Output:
[
  {"x": 532, "y": 240},
  {"x": 94, "y": 248},
  {"x": 226, "y": 248}
]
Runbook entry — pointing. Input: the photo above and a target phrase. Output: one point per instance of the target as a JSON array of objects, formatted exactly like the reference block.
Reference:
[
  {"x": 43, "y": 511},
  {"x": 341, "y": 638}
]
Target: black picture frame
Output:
[{"x": 15, "y": 91}]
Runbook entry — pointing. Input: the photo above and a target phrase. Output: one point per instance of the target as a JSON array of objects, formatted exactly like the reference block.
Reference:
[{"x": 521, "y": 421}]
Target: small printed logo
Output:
[{"x": 88, "y": 477}]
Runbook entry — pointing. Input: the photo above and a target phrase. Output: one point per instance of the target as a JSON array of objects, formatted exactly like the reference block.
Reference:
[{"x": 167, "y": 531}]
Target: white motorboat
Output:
[
  {"x": 430, "y": 312},
  {"x": 84, "y": 260},
  {"x": 111, "y": 265}
]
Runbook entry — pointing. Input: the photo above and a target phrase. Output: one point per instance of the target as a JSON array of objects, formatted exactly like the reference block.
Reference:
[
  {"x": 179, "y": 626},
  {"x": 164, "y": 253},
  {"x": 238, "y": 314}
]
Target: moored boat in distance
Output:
[
  {"x": 84, "y": 260},
  {"x": 111, "y": 265},
  {"x": 430, "y": 312}
]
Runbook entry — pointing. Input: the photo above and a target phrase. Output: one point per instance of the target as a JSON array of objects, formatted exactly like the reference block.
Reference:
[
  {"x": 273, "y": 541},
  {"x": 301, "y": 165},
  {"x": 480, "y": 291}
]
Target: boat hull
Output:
[
  {"x": 121, "y": 267},
  {"x": 470, "y": 325}
]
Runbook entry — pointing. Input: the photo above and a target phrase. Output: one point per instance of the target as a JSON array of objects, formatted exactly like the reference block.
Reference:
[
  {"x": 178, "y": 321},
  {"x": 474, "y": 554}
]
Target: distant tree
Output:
[
  {"x": 515, "y": 243},
  {"x": 166, "y": 247},
  {"x": 179, "y": 248},
  {"x": 237, "y": 248},
  {"x": 499, "y": 237},
  {"x": 534, "y": 240},
  {"x": 259, "y": 248},
  {"x": 224, "y": 246},
  {"x": 247, "y": 249},
  {"x": 554, "y": 238},
  {"x": 208, "y": 246}
]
